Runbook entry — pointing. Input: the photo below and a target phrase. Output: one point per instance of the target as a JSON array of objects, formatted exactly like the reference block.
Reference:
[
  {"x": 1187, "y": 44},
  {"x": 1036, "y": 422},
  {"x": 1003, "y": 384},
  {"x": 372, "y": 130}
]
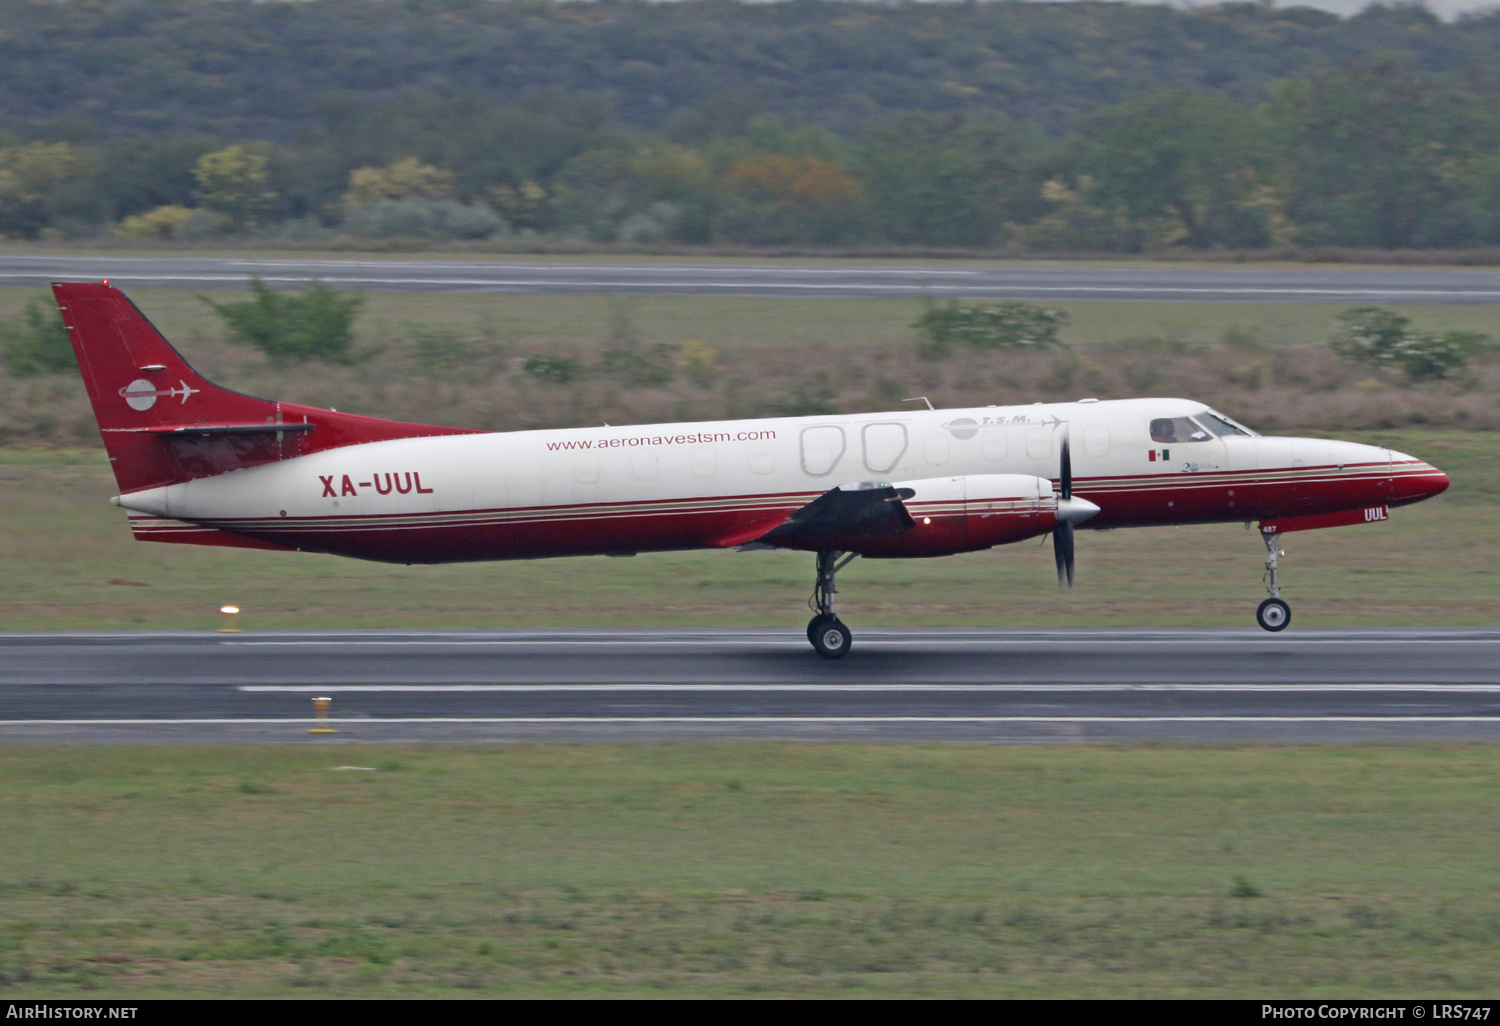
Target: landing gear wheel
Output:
[
  {"x": 816, "y": 624},
  {"x": 1273, "y": 614},
  {"x": 829, "y": 637}
]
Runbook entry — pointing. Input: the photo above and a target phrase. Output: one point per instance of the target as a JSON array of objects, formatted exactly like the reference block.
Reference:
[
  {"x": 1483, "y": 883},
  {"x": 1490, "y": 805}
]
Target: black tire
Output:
[
  {"x": 832, "y": 639},
  {"x": 1273, "y": 614},
  {"x": 816, "y": 624}
]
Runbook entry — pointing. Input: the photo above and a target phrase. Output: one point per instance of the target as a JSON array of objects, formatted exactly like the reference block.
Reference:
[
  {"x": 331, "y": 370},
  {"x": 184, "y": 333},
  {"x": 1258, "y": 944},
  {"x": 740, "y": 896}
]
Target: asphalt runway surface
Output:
[
  {"x": 1307, "y": 284},
  {"x": 997, "y": 686}
]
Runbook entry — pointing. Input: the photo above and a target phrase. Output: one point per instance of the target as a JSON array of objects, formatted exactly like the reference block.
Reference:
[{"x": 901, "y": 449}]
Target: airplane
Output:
[{"x": 200, "y": 464}]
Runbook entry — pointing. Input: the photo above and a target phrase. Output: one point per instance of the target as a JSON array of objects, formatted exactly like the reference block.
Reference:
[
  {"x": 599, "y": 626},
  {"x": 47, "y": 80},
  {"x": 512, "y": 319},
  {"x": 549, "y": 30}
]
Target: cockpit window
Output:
[
  {"x": 1178, "y": 430},
  {"x": 1221, "y": 426}
]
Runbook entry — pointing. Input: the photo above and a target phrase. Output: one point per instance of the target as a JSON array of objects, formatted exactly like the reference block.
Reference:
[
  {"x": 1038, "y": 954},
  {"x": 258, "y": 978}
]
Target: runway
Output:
[
  {"x": 1195, "y": 686},
  {"x": 1307, "y": 284}
]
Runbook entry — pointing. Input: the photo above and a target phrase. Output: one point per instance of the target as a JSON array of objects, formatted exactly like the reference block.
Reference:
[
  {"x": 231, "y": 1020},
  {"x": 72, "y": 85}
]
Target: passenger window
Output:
[
  {"x": 935, "y": 448},
  {"x": 992, "y": 444},
  {"x": 643, "y": 466},
  {"x": 885, "y": 444},
  {"x": 1039, "y": 442},
  {"x": 702, "y": 460},
  {"x": 822, "y": 448},
  {"x": 1177, "y": 430}
]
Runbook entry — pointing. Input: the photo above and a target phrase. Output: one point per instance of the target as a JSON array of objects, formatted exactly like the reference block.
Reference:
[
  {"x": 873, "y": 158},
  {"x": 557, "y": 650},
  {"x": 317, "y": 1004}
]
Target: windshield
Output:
[
  {"x": 1221, "y": 425},
  {"x": 1177, "y": 429}
]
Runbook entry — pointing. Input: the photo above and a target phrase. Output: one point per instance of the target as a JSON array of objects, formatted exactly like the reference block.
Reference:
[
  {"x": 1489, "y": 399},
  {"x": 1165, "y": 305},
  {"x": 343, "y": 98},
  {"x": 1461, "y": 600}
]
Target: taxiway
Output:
[{"x": 1304, "y": 284}]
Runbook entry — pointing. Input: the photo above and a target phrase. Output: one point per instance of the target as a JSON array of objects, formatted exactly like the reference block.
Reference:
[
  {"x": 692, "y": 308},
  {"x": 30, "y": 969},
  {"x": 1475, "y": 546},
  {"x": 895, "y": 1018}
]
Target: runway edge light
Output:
[
  {"x": 321, "y": 706},
  {"x": 230, "y": 612}
]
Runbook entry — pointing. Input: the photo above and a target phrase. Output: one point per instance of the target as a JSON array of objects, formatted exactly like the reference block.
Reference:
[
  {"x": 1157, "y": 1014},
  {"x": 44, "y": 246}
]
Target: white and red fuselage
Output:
[
  {"x": 200, "y": 464},
  {"x": 982, "y": 477}
]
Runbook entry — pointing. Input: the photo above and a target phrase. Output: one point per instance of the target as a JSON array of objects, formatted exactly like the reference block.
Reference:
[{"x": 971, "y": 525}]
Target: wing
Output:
[{"x": 848, "y": 511}]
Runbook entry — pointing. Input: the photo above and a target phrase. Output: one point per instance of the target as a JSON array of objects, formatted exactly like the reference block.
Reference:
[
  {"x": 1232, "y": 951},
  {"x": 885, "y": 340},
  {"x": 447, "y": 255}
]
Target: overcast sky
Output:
[{"x": 1445, "y": 8}]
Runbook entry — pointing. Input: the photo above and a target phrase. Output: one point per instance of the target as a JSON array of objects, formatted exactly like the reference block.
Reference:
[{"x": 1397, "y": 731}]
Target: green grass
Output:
[
  {"x": 543, "y": 321},
  {"x": 460, "y": 360},
  {"x": 750, "y": 869},
  {"x": 69, "y": 561}
]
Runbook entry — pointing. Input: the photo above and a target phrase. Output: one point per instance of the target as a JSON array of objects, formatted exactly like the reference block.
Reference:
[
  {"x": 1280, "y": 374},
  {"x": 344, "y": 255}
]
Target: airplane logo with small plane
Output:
[{"x": 141, "y": 394}]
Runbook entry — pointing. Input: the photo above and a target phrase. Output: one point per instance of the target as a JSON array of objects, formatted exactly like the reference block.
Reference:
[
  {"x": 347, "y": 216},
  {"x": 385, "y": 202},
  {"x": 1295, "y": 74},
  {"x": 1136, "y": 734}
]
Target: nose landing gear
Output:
[
  {"x": 829, "y": 637},
  {"x": 1273, "y": 614}
]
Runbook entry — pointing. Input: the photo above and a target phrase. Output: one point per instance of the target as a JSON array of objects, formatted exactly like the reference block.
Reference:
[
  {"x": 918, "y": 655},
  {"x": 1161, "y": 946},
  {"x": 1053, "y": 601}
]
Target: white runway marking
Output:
[
  {"x": 886, "y": 288},
  {"x": 1468, "y": 689},
  {"x": 379, "y": 720},
  {"x": 790, "y": 640}
]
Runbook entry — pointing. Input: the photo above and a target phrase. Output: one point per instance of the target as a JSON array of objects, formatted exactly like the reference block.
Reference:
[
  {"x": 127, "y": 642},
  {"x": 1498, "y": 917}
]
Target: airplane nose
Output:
[
  {"x": 1434, "y": 482},
  {"x": 1413, "y": 480}
]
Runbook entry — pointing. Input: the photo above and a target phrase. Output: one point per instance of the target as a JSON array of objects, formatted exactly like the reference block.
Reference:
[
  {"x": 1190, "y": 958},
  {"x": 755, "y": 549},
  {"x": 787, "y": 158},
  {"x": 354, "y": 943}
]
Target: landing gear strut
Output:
[
  {"x": 829, "y": 637},
  {"x": 1273, "y": 614}
]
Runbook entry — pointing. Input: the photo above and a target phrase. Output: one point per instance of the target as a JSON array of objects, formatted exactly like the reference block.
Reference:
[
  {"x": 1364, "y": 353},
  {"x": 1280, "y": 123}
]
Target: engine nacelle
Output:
[{"x": 962, "y": 514}]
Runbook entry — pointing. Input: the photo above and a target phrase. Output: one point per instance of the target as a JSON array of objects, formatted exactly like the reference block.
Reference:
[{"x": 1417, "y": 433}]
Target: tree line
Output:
[{"x": 1373, "y": 148}]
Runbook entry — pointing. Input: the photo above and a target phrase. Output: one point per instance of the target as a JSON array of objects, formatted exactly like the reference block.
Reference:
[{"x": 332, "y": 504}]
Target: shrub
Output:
[
  {"x": 422, "y": 218},
  {"x": 407, "y": 178},
  {"x": 1243, "y": 888},
  {"x": 700, "y": 363},
  {"x": 658, "y": 222},
  {"x": 39, "y": 344},
  {"x": 161, "y": 223},
  {"x": 558, "y": 369},
  {"x": 1007, "y": 325},
  {"x": 1383, "y": 338},
  {"x": 636, "y": 367},
  {"x": 290, "y": 327}
]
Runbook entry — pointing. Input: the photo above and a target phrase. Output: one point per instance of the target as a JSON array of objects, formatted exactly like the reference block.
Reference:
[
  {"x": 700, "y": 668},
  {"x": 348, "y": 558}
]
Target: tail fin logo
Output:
[{"x": 141, "y": 394}]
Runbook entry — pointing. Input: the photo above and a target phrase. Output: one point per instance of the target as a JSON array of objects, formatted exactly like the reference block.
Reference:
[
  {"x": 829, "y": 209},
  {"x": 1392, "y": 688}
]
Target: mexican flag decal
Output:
[{"x": 1159, "y": 454}]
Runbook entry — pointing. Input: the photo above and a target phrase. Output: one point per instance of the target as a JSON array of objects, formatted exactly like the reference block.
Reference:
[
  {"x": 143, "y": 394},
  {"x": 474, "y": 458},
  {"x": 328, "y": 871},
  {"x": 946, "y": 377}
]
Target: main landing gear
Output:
[
  {"x": 829, "y": 637},
  {"x": 1273, "y": 614}
]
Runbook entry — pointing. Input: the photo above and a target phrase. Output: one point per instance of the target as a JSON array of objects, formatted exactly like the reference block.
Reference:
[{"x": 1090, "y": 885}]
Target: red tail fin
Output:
[{"x": 162, "y": 422}]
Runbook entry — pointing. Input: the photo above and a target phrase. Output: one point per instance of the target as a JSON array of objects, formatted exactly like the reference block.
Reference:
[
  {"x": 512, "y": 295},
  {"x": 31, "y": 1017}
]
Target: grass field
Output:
[
  {"x": 460, "y": 360},
  {"x": 750, "y": 869},
  {"x": 69, "y": 561},
  {"x": 758, "y": 322}
]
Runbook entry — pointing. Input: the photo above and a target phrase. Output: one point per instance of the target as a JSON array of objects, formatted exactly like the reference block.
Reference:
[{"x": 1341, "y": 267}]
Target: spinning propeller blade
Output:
[
  {"x": 1065, "y": 469},
  {"x": 1062, "y": 534}
]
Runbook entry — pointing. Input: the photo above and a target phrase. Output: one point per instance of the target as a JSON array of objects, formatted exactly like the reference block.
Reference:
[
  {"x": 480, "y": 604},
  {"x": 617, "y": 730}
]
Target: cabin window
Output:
[
  {"x": 992, "y": 445},
  {"x": 885, "y": 444},
  {"x": 1039, "y": 442},
  {"x": 822, "y": 448},
  {"x": 703, "y": 461},
  {"x": 1170, "y": 430},
  {"x": 935, "y": 448}
]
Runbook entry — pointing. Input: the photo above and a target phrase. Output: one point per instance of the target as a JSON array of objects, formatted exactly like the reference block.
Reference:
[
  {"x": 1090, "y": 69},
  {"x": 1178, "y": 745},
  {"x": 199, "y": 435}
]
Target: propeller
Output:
[
  {"x": 1070, "y": 513},
  {"x": 1062, "y": 534}
]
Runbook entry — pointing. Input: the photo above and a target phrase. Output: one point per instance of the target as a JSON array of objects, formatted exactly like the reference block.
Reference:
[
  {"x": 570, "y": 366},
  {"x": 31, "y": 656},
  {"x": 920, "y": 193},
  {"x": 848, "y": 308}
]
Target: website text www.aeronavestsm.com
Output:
[{"x": 636, "y": 441}]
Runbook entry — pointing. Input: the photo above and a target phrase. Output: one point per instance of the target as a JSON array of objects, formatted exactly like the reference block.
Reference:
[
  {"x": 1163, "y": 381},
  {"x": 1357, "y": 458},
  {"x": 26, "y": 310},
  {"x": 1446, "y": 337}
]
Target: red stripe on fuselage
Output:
[{"x": 687, "y": 523}]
